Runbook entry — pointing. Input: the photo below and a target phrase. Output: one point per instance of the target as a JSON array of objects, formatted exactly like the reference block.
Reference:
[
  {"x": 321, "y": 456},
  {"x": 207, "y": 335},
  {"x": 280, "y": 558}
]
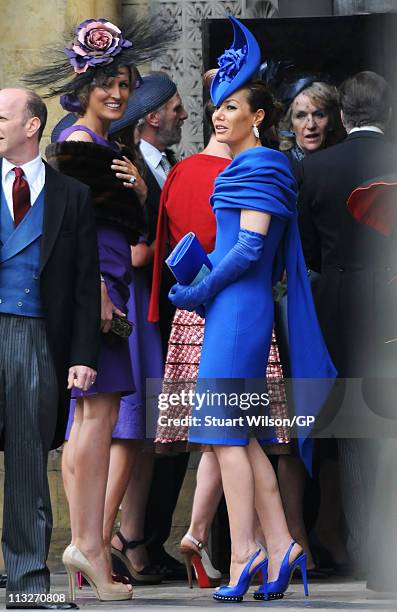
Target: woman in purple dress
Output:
[
  {"x": 103, "y": 62},
  {"x": 127, "y": 458}
]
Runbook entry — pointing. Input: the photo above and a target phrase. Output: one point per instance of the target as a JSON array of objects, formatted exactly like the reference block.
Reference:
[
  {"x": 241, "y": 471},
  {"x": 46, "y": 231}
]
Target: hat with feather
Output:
[{"x": 95, "y": 52}]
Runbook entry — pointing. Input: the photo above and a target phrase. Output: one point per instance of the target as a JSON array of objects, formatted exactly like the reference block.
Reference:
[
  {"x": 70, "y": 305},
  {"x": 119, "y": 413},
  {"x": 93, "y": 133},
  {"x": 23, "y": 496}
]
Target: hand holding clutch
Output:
[
  {"x": 184, "y": 296},
  {"x": 120, "y": 326},
  {"x": 245, "y": 252}
]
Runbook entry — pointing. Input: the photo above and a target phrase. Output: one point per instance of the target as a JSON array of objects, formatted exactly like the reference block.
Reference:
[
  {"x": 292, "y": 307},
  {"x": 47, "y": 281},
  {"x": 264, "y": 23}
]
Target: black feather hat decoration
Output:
[
  {"x": 273, "y": 72},
  {"x": 96, "y": 50}
]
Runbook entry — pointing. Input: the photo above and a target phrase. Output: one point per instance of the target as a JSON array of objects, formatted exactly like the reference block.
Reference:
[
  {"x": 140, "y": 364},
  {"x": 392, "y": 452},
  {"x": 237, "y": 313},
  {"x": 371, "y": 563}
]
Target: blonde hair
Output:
[{"x": 320, "y": 93}]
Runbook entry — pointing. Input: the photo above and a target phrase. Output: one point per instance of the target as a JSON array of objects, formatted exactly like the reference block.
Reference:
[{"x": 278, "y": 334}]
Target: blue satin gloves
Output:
[{"x": 245, "y": 252}]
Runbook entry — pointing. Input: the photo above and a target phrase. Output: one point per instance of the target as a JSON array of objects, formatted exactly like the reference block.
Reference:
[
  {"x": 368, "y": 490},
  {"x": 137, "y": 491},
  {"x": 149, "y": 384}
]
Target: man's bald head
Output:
[
  {"x": 32, "y": 103},
  {"x": 13, "y": 97},
  {"x": 23, "y": 116}
]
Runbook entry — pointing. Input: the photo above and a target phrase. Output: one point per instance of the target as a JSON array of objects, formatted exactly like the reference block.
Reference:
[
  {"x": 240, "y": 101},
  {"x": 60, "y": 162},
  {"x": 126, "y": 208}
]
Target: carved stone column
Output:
[{"x": 184, "y": 63}]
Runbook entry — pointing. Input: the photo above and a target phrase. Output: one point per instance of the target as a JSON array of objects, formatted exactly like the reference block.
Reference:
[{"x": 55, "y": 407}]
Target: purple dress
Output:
[
  {"x": 114, "y": 373},
  {"x": 147, "y": 362},
  {"x": 141, "y": 354}
]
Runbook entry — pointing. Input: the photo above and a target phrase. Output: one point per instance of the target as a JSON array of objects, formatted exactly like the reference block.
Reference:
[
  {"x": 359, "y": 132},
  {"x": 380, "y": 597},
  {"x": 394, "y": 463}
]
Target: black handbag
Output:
[{"x": 121, "y": 326}]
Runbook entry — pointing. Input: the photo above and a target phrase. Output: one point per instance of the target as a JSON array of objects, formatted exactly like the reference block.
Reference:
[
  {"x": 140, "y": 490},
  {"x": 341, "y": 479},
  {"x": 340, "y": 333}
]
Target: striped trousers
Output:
[{"x": 28, "y": 412}]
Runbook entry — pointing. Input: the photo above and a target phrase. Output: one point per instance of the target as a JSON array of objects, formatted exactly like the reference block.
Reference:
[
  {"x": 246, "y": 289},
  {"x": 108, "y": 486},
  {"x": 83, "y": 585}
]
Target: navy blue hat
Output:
[
  {"x": 156, "y": 89},
  {"x": 237, "y": 65},
  {"x": 64, "y": 123},
  {"x": 290, "y": 89}
]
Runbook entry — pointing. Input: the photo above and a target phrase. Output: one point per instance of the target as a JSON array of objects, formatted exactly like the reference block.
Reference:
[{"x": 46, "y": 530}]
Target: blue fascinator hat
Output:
[{"x": 237, "y": 65}]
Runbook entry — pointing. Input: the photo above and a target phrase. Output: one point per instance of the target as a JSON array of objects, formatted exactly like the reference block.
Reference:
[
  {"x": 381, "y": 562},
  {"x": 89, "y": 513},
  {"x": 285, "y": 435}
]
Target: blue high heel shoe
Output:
[
  {"x": 277, "y": 588},
  {"x": 235, "y": 593}
]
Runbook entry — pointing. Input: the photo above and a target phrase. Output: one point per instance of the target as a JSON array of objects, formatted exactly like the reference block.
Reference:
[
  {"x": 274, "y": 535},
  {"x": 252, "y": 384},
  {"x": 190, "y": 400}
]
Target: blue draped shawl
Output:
[{"x": 261, "y": 179}]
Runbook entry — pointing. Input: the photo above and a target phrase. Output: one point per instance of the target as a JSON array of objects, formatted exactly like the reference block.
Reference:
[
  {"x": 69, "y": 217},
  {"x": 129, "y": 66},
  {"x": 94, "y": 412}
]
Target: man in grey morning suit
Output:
[{"x": 49, "y": 329}]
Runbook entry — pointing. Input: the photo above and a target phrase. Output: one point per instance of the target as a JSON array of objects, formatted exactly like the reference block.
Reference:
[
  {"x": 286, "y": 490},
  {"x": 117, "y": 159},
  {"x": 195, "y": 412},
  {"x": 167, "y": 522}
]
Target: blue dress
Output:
[{"x": 239, "y": 319}]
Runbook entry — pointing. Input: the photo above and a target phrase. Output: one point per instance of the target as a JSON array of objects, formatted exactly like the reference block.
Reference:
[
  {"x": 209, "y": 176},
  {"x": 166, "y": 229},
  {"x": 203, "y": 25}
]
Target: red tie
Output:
[{"x": 20, "y": 196}]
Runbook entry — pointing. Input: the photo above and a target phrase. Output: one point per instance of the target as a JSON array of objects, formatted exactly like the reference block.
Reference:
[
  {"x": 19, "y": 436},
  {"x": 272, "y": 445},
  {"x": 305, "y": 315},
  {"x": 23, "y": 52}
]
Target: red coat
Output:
[{"x": 185, "y": 207}]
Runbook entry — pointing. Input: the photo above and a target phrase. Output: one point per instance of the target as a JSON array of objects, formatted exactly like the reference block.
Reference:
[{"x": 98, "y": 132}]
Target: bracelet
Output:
[{"x": 102, "y": 278}]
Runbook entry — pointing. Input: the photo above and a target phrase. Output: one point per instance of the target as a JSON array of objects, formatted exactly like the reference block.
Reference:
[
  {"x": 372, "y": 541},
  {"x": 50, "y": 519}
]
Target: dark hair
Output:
[
  {"x": 365, "y": 99},
  {"x": 35, "y": 107},
  {"x": 125, "y": 138},
  {"x": 260, "y": 96},
  {"x": 209, "y": 109}
]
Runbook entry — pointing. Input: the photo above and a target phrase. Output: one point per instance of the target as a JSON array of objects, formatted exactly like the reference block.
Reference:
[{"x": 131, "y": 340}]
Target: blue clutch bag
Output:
[{"x": 188, "y": 261}]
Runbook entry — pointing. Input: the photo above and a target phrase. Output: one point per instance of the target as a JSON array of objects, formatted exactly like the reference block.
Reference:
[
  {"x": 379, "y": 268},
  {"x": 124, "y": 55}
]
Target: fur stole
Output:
[{"x": 90, "y": 163}]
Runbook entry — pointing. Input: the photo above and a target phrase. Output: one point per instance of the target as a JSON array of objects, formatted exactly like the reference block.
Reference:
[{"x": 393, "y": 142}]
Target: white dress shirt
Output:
[
  {"x": 153, "y": 157},
  {"x": 367, "y": 128},
  {"x": 34, "y": 172}
]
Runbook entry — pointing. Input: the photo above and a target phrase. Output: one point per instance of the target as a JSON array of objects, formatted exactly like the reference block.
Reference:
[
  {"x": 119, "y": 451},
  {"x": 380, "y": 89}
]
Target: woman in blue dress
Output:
[{"x": 257, "y": 237}]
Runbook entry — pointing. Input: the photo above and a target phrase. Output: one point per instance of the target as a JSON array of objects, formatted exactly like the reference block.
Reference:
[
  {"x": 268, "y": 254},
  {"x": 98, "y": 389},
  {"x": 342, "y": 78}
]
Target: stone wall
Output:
[
  {"x": 304, "y": 8},
  {"x": 354, "y": 7},
  {"x": 26, "y": 32}
]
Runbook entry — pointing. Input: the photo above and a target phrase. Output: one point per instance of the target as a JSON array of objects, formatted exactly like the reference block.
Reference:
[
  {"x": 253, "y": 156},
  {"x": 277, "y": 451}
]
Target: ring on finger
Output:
[{"x": 132, "y": 179}]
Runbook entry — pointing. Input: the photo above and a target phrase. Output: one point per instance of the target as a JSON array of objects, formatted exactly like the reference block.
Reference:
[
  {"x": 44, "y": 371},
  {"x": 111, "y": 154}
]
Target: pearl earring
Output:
[{"x": 255, "y": 130}]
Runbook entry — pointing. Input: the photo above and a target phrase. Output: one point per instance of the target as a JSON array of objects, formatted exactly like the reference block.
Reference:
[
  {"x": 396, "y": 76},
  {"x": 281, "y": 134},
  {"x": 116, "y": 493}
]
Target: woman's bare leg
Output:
[
  {"x": 68, "y": 449},
  {"x": 207, "y": 496},
  {"x": 259, "y": 537},
  {"x": 122, "y": 457},
  {"x": 291, "y": 477},
  {"x": 132, "y": 523},
  {"x": 270, "y": 510},
  {"x": 68, "y": 460},
  {"x": 89, "y": 460},
  {"x": 238, "y": 486}
]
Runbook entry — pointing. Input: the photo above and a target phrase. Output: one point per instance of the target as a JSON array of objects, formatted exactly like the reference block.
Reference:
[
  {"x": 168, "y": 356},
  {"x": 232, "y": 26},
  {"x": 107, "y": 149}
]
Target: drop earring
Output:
[{"x": 255, "y": 130}]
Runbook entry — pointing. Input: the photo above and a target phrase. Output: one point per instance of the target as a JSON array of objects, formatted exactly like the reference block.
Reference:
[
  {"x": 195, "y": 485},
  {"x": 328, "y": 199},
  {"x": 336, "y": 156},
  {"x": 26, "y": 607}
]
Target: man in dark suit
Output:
[
  {"x": 354, "y": 304},
  {"x": 160, "y": 129},
  {"x": 49, "y": 329}
]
